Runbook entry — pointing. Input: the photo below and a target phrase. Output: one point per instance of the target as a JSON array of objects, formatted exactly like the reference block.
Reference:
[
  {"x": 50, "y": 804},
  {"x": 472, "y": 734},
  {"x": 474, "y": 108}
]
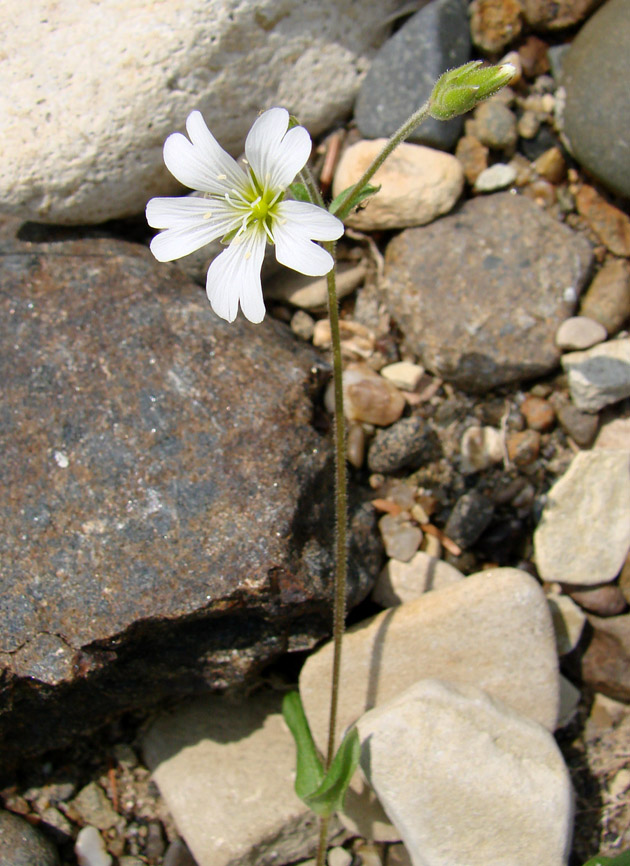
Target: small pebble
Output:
[
  {"x": 539, "y": 414},
  {"x": 497, "y": 176},
  {"x": 496, "y": 125},
  {"x": 470, "y": 516},
  {"x": 403, "y": 375},
  {"x": 90, "y": 848},
  {"x": 355, "y": 445},
  {"x": 551, "y": 165},
  {"x": 541, "y": 191},
  {"x": 523, "y": 448},
  {"x": 473, "y": 156},
  {"x": 533, "y": 54},
  {"x": 494, "y": 25},
  {"x": 302, "y": 325},
  {"x": 607, "y": 299},
  {"x": 579, "y": 332},
  {"x": 481, "y": 447},
  {"x": 409, "y": 442},
  {"x": 401, "y": 538},
  {"x": 528, "y": 124},
  {"x": 604, "y": 600},
  {"x": 580, "y": 426},
  {"x": 367, "y": 397}
]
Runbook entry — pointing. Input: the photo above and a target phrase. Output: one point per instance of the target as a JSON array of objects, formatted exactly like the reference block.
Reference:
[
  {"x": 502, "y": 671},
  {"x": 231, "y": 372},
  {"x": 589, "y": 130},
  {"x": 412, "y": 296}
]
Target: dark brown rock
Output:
[
  {"x": 167, "y": 515},
  {"x": 605, "y": 665},
  {"x": 480, "y": 294},
  {"x": 557, "y": 14}
]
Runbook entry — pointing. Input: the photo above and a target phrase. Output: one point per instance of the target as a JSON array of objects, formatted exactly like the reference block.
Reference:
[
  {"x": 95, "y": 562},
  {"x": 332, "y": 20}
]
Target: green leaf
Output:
[
  {"x": 366, "y": 192},
  {"x": 322, "y": 792},
  {"x": 621, "y": 860},
  {"x": 310, "y": 770},
  {"x": 299, "y": 192},
  {"x": 329, "y": 797}
]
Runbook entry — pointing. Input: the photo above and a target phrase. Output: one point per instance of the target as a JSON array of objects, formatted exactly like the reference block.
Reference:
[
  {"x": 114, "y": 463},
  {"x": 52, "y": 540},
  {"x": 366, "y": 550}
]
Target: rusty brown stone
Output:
[
  {"x": 610, "y": 224},
  {"x": 494, "y": 24},
  {"x": 167, "y": 513},
  {"x": 556, "y": 14}
]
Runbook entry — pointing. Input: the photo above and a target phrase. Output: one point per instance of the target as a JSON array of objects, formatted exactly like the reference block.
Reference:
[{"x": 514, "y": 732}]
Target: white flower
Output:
[{"x": 246, "y": 208}]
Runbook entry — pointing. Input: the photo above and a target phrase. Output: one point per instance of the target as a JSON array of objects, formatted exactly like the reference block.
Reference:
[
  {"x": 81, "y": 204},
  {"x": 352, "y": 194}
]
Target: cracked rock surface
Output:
[{"x": 138, "y": 561}]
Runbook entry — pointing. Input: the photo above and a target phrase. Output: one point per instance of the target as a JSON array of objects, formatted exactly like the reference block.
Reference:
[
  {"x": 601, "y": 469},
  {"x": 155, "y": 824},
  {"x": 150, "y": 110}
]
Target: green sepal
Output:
[
  {"x": 366, "y": 192},
  {"x": 299, "y": 191},
  {"x": 323, "y": 792},
  {"x": 621, "y": 860},
  {"x": 459, "y": 90}
]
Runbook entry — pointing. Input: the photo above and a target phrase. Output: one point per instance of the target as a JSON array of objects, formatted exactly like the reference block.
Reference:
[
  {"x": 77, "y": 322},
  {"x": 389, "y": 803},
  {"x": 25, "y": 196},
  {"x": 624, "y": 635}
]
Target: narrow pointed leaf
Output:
[
  {"x": 329, "y": 796},
  {"x": 310, "y": 770},
  {"x": 366, "y": 192}
]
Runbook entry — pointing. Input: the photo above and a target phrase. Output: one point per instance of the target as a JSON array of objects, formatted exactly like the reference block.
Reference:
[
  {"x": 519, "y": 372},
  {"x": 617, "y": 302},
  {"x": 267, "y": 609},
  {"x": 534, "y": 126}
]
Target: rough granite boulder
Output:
[
  {"x": 480, "y": 294},
  {"x": 167, "y": 513},
  {"x": 84, "y": 116}
]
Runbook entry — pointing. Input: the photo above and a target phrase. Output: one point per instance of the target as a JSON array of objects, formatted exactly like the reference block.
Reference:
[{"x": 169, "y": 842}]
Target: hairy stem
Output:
[{"x": 397, "y": 138}]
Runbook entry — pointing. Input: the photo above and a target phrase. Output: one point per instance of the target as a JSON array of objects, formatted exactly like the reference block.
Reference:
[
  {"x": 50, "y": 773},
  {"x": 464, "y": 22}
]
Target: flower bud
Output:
[{"x": 459, "y": 90}]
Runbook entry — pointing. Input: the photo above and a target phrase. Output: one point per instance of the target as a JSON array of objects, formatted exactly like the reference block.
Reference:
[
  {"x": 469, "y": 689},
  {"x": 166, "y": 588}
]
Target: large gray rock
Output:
[
  {"x": 84, "y": 116},
  {"x": 595, "y": 72},
  {"x": 404, "y": 71},
  {"x": 168, "y": 510},
  {"x": 480, "y": 294}
]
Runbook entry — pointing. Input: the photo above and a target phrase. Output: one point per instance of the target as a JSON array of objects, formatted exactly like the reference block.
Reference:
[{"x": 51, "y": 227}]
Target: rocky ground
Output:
[{"x": 485, "y": 305}]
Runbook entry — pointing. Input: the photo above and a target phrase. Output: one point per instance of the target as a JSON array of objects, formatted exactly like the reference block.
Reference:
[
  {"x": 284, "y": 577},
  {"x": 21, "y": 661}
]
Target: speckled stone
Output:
[
  {"x": 471, "y": 514},
  {"x": 557, "y": 14},
  {"x": 405, "y": 69},
  {"x": 495, "y": 23},
  {"x": 495, "y": 125},
  {"x": 479, "y": 294},
  {"x": 409, "y": 442},
  {"x": 24, "y": 845},
  {"x": 596, "y": 117},
  {"x": 155, "y": 539}
]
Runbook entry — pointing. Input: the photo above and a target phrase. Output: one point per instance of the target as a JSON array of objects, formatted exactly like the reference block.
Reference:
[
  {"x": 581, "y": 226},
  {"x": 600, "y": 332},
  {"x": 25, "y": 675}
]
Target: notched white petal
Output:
[
  {"x": 317, "y": 223},
  {"x": 166, "y": 213},
  {"x": 234, "y": 276},
  {"x": 295, "y": 250}
]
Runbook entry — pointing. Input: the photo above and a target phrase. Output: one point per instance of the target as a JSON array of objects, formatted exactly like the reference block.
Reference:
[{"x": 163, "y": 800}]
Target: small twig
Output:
[
  {"x": 376, "y": 254},
  {"x": 330, "y": 161}
]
